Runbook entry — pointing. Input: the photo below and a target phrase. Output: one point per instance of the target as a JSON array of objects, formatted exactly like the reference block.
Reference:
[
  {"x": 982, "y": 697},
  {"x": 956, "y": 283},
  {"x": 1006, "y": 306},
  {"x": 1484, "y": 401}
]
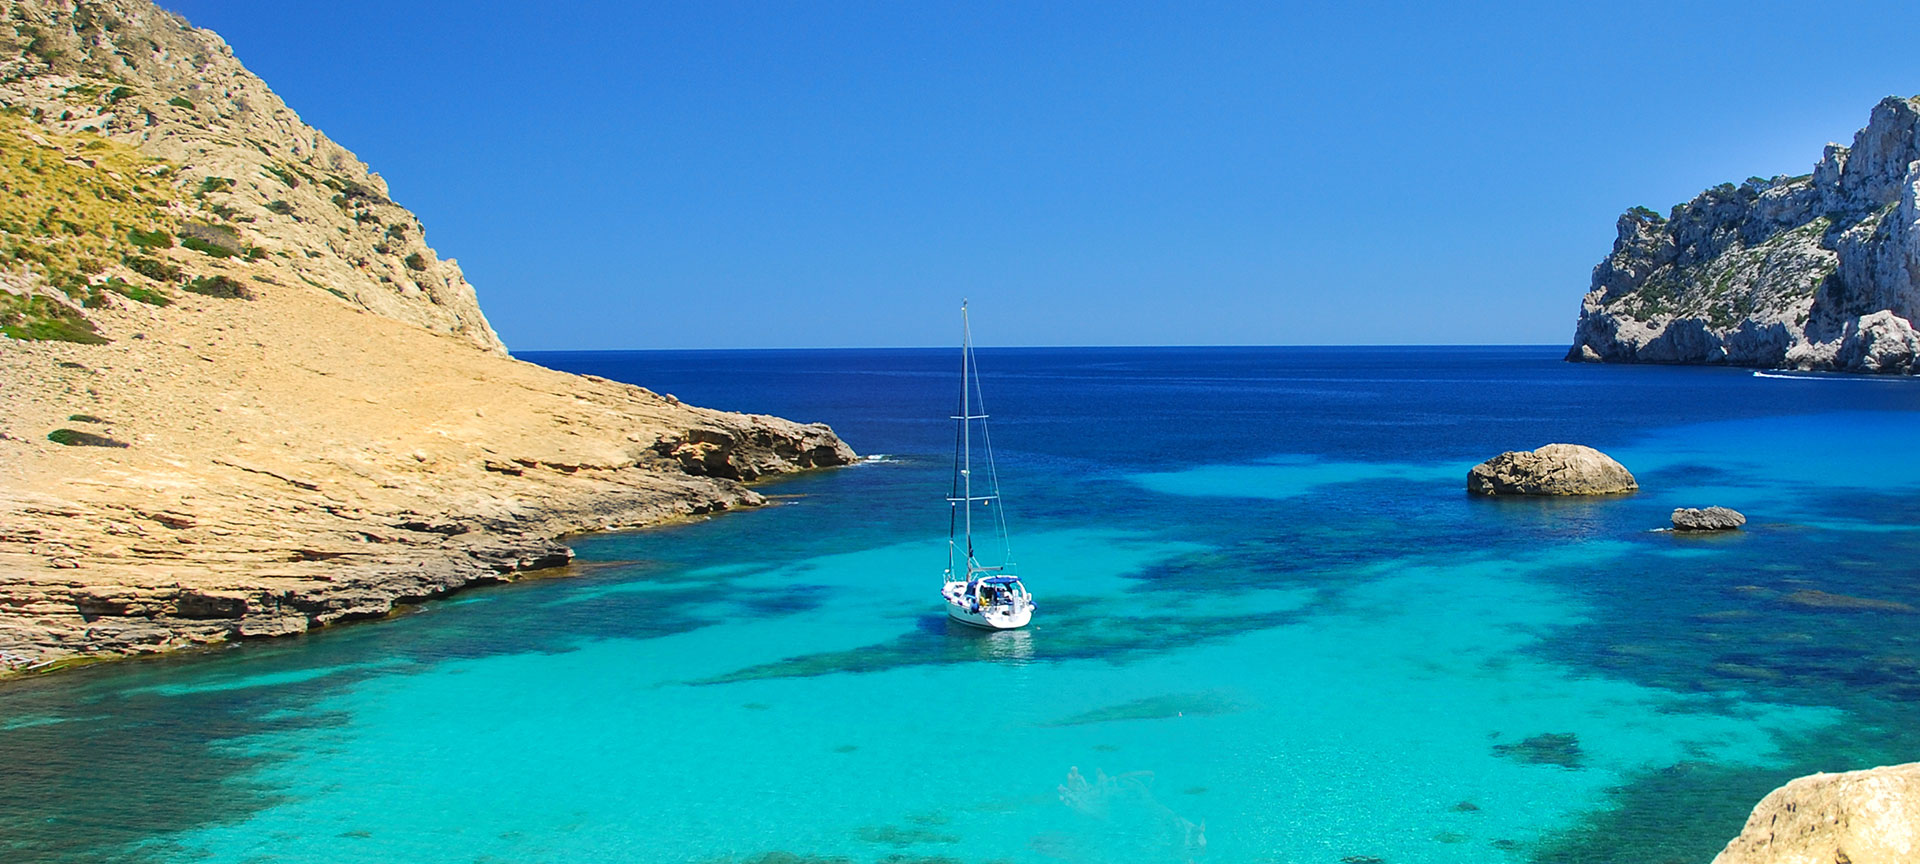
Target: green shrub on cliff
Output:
[
  {"x": 202, "y": 246},
  {"x": 285, "y": 176},
  {"x": 135, "y": 292},
  {"x": 155, "y": 239},
  {"x": 158, "y": 271},
  {"x": 219, "y": 286},
  {"x": 37, "y": 319},
  {"x": 77, "y": 438}
]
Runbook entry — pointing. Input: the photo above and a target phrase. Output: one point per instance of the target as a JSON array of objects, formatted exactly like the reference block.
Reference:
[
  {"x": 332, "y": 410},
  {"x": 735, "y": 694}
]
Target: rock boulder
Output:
[
  {"x": 1708, "y": 519},
  {"x": 1860, "y": 817},
  {"x": 1556, "y": 469}
]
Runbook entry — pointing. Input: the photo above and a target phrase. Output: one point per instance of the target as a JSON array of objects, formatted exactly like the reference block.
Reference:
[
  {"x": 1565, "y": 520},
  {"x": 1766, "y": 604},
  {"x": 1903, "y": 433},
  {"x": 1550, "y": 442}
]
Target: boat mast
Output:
[
  {"x": 962, "y": 494},
  {"x": 966, "y": 430}
]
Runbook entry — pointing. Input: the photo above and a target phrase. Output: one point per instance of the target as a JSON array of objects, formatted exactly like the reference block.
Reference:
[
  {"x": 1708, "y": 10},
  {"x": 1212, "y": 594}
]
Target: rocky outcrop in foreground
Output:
[
  {"x": 1859, "y": 817},
  {"x": 244, "y": 397},
  {"x": 1556, "y": 469},
  {"x": 1815, "y": 272}
]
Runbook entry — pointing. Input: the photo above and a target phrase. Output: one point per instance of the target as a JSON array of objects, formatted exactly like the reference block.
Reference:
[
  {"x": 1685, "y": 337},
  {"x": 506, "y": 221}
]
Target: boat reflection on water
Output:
[
  {"x": 1009, "y": 645},
  {"x": 1003, "y": 646}
]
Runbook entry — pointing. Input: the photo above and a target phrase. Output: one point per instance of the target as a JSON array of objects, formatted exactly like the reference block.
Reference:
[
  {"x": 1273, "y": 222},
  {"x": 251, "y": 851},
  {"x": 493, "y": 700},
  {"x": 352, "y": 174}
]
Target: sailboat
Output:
[{"x": 982, "y": 595}]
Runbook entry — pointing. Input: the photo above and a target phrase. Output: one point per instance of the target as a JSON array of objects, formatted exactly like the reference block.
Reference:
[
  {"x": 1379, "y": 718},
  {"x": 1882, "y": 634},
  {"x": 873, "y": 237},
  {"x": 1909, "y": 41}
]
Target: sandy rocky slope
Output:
[
  {"x": 1818, "y": 272},
  {"x": 297, "y": 412}
]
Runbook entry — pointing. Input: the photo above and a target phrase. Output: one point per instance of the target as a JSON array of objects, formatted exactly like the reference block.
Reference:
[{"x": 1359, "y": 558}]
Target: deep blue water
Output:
[{"x": 1273, "y": 628}]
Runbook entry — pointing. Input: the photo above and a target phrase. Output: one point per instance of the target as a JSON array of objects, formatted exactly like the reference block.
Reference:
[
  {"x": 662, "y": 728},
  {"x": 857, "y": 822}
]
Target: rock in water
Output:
[
  {"x": 1556, "y": 469},
  {"x": 1819, "y": 271},
  {"x": 1709, "y": 519},
  {"x": 1860, "y": 817}
]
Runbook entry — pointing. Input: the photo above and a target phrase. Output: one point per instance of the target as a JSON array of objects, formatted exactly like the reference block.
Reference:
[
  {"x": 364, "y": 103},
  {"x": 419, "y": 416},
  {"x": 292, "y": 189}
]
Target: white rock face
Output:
[
  {"x": 1859, "y": 817},
  {"x": 1820, "y": 271}
]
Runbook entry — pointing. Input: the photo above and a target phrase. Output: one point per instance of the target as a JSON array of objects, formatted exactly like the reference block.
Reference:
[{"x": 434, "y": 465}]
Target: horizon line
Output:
[{"x": 518, "y": 352}]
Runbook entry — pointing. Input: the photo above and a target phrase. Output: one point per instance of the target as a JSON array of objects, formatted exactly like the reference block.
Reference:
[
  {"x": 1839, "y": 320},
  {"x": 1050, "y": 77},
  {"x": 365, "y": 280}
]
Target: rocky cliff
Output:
[
  {"x": 1818, "y": 272},
  {"x": 244, "y": 397},
  {"x": 1857, "y": 817}
]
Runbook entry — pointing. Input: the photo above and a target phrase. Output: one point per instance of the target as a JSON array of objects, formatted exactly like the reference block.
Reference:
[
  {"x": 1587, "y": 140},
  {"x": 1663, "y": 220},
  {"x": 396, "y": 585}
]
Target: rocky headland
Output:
[
  {"x": 1815, "y": 272},
  {"x": 244, "y": 397}
]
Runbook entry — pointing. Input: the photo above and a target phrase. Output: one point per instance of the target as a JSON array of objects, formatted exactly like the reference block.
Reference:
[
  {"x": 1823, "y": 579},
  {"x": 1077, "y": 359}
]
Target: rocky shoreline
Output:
[{"x": 52, "y": 619}]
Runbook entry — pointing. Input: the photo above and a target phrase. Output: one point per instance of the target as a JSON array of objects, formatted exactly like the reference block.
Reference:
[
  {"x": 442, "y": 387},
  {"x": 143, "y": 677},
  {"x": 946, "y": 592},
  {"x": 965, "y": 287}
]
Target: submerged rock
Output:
[
  {"x": 1556, "y": 469},
  {"x": 1859, "y": 817},
  {"x": 1708, "y": 519},
  {"x": 1551, "y": 748},
  {"x": 1812, "y": 598}
]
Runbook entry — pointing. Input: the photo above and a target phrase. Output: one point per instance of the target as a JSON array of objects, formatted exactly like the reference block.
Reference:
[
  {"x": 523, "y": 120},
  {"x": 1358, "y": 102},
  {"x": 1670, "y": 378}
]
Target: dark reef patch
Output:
[
  {"x": 1548, "y": 748},
  {"x": 1067, "y": 634},
  {"x": 898, "y": 837}
]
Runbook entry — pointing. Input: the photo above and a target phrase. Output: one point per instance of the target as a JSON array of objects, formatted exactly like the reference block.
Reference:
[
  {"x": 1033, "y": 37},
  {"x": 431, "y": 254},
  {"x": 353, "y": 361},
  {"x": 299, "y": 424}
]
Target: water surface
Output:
[{"x": 1273, "y": 628}]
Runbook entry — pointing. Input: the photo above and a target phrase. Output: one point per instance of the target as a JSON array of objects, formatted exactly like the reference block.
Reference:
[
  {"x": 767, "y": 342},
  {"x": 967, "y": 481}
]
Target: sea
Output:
[{"x": 1272, "y": 627}]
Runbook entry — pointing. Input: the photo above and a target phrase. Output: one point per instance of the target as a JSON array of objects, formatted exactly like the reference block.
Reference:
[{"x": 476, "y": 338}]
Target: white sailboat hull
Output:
[{"x": 1011, "y": 616}]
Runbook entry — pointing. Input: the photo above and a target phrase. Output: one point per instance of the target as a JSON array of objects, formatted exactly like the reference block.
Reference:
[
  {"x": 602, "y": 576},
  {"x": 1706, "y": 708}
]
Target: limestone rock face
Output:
[
  {"x": 1817, "y": 272},
  {"x": 1556, "y": 469},
  {"x": 1858, "y": 817},
  {"x": 1707, "y": 519}
]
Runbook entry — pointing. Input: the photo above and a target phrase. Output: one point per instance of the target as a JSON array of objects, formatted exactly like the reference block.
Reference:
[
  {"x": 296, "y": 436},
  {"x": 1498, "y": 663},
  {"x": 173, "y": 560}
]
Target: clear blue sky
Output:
[{"x": 796, "y": 174}]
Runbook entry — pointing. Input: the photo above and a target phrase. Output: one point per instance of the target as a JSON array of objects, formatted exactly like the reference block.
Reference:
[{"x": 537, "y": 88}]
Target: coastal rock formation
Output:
[
  {"x": 1708, "y": 519},
  {"x": 1556, "y": 469},
  {"x": 245, "y": 398},
  {"x": 1859, "y": 817},
  {"x": 1816, "y": 272}
]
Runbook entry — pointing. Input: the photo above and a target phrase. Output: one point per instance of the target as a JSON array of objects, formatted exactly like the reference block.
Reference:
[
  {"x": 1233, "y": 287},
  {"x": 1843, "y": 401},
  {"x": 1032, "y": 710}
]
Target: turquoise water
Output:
[{"x": 1272, "y": 628}]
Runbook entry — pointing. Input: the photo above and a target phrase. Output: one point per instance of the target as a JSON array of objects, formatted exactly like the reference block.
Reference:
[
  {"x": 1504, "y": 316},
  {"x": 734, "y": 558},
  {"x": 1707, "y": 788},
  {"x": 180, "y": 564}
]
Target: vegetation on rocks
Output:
[
  {"x": 77, "y": 438},
  {"x": 68, "y": 206},
  {"x": 40, "y": 317},
  {"x": 219, "y": 286}
]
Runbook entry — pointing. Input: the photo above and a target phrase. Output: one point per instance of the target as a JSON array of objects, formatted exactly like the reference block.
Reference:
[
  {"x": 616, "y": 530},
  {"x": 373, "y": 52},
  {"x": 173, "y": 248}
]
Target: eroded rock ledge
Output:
[{"x": 285, "y": 500}]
